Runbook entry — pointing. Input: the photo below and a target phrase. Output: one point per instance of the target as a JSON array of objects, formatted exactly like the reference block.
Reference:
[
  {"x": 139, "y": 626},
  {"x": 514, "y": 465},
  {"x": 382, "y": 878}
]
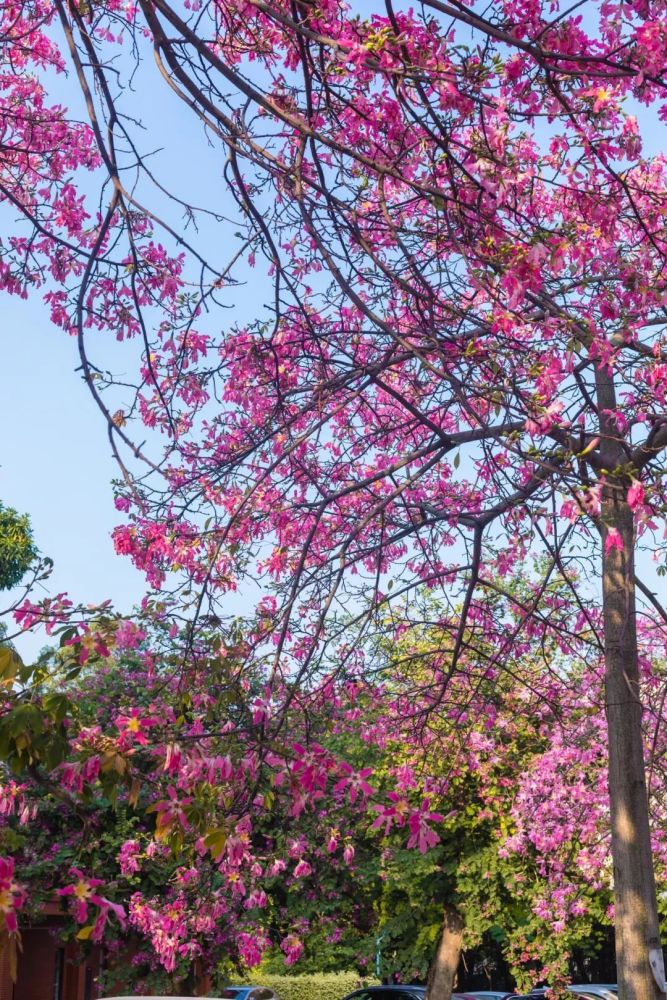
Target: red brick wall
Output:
[
  {"x": 36, "y": 966},
  {"x": 6, "y": 985}
]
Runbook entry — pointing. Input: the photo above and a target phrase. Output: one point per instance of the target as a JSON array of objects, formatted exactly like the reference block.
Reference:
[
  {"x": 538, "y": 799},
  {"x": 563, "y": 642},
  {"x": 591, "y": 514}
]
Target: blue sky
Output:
[{"x": 55, "y": 461}]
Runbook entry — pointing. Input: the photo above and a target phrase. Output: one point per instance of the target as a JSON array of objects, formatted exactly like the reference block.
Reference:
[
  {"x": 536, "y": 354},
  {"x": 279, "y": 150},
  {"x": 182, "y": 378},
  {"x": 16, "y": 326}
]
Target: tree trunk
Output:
[
  {"x": 636, "y": 916},
  {"x": 442, "y": 973}
]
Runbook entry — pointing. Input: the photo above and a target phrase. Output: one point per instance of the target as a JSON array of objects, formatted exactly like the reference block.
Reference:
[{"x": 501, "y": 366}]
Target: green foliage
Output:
[
  {"x": 17, "y": 549},
  {"x": 33, "y": 724},
  {"x": 322, "y": 985},
  {"x": 496, "y": 892}
]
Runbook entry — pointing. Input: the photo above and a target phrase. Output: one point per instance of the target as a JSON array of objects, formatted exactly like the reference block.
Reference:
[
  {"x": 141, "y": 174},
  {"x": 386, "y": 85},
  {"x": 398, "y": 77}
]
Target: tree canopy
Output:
[
  {"x": 458, "y": 230},
  {"x": 17, "y": 550}
]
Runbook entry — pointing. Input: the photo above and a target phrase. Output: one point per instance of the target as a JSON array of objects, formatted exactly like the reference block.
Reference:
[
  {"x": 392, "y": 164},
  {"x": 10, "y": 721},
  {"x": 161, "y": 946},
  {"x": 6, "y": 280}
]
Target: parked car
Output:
[
  {"x": 605, "y": 991},
  {"x": 586, "y": 991},
  {"x": 490, "y": 994},
  {"x": 398, "y": 991},
  {"x": 248, "y": 993}
]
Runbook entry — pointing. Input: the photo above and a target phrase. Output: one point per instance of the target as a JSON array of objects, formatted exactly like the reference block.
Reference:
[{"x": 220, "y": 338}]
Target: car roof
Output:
[
  {"x": 378, "y": 987},
  {"x": 490, "y": 993},
  {"x": 244, "y": 989},
  {"x": 132, "y": 996},
  {"x": 592, "y": 987},
  {"x": 411, "y": 987}
]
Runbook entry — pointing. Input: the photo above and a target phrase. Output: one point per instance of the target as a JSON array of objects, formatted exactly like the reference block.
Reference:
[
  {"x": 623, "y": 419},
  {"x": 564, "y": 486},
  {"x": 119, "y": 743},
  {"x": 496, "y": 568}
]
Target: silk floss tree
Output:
[{"x": 463, "y": 361}]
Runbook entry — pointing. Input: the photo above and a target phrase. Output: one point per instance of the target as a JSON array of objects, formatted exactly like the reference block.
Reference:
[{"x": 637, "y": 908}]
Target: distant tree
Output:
[{"x": 17, "y": 548}]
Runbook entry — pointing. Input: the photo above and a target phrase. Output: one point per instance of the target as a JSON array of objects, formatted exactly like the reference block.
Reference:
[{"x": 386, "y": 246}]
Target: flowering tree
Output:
[
  {"x": 152, "y": 803},
  {"x": 522, "y": 761},
  {"x": 463, "y": 360},
  {"x": 157, "y": 813},
  {"x": 166, "y": 825}
]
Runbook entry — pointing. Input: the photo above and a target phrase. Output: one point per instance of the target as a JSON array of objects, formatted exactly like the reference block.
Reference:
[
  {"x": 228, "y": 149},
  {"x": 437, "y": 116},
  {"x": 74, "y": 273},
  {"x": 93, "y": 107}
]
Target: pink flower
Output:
[
  {"x": 252, "y": 947},
  {"x": 293, "y": 948},
  {"x": 613, "y": 540},
  {"x": 421, "y": 834},
  {"x": 127, "y": 857},
  {"x": 83, "y": 896},
  {"x": 135, "y": 726},
  {"x": 12, "y": 896},
  {"x": 635, "y": 495}
]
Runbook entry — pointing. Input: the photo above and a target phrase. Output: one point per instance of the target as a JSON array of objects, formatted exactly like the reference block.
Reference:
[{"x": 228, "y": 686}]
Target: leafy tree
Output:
[
  {"x": 17, "y": 549},
  {"x": 472, "y": 761}
]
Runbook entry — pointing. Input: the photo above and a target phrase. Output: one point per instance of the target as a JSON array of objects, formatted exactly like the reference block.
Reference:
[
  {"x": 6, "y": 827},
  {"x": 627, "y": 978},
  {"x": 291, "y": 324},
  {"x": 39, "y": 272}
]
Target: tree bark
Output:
[
  {"x": 636, "y": 916},
  {"x": 442, "y": 973}
]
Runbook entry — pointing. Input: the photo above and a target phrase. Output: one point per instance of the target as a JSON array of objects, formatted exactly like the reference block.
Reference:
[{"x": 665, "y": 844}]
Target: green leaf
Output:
[
  {"x": 10, "y": 663},
  {"x": 215, "y": 841}
]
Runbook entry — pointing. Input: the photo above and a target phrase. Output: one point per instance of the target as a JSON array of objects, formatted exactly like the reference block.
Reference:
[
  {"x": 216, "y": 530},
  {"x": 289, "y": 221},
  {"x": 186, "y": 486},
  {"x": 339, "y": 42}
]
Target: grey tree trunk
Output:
[
  {"x": 636, "y": 916},
  {"x": 442, "y": 973}
]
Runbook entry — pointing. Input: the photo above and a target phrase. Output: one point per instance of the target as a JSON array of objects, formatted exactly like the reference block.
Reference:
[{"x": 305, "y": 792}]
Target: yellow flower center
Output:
[{"x": 81, "y": 890}]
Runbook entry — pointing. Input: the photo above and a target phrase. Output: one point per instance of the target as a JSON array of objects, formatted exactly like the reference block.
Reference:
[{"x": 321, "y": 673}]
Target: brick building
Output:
[{"x": 47, "y": 970}]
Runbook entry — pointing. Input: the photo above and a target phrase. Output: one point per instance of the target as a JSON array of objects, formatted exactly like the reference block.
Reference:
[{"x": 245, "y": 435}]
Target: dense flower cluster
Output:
[{"x": 12, "y": 897}]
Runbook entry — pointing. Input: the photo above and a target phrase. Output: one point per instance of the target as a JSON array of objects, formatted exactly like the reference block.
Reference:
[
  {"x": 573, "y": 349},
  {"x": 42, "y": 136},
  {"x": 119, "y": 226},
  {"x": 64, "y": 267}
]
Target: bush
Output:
[{"x": 314, "y": 986}]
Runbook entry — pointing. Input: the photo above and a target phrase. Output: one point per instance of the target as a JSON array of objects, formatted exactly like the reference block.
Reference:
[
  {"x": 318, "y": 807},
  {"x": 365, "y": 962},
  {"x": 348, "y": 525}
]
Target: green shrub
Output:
[{"x": 313, "y": 986}]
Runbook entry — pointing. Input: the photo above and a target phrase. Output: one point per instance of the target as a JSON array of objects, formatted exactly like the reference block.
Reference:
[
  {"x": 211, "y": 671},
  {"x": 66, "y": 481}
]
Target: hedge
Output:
[{"x": 313, "y": 986}]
